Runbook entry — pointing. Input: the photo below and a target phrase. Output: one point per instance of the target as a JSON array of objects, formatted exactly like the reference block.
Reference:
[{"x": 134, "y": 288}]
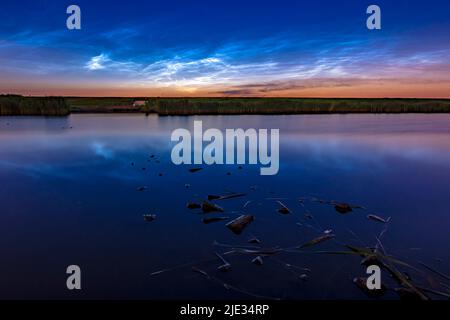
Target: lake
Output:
[{"x": 69, "y": 196}]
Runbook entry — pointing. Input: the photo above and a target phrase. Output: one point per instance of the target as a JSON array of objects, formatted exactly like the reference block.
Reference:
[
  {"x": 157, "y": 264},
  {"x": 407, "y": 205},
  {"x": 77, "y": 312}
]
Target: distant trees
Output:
[
  {"x": 46, "y": 106},
  {"x": 59, "y": 106},
  {"x": 188, "y": 106}
]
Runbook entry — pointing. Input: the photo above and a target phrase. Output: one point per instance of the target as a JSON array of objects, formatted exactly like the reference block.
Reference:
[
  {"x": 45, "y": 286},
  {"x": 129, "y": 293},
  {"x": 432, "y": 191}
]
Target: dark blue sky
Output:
[{"x": 298, "y": 47}]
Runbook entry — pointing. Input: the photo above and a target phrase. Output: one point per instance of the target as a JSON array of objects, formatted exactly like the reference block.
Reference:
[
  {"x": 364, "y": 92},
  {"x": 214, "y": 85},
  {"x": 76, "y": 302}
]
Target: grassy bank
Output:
[
  {"x": 33, "y": 106},
  {"x": 102, "y": 105},
  {"x": 192, "y": 106},
  {"x": 18, "y": 105}
]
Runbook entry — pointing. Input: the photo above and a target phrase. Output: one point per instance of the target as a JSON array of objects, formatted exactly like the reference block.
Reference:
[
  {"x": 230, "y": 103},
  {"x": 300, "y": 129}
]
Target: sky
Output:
[{"x": 281, "y": 48}]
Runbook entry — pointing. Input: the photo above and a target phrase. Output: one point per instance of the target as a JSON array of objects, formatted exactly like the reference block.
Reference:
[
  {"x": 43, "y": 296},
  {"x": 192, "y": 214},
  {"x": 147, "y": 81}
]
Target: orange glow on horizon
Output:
[{"x": 363, "y": 90}]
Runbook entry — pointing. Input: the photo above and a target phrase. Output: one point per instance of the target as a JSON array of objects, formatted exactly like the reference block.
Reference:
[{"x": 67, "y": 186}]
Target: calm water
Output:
[{"x": 68, "y": 196}]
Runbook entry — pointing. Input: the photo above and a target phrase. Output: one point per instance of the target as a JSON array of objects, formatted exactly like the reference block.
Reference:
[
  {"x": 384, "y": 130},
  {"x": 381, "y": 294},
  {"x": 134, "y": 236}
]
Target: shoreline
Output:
[{"x": 14, "y": 105}]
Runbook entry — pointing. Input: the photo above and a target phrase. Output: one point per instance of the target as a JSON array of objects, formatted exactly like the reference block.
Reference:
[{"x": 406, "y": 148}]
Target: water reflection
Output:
[{"x": 68, "y": 195}]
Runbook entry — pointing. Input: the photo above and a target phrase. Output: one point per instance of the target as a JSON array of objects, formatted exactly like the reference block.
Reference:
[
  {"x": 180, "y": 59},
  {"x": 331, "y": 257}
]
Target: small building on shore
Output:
[{"x": 139, "y": 103}]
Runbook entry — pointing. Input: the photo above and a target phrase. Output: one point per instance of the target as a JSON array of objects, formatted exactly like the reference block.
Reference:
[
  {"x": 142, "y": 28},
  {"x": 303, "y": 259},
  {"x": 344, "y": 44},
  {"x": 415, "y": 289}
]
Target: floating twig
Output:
[
  {"x": 317, "y": 240},
  {"x": 378, "y": 218},
  {"x": 446, "y": 277}
]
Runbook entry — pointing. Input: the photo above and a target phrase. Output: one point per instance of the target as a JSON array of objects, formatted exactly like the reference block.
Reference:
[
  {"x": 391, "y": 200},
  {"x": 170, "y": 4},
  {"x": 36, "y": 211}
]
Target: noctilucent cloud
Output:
[{"x": 296, "y": 48}]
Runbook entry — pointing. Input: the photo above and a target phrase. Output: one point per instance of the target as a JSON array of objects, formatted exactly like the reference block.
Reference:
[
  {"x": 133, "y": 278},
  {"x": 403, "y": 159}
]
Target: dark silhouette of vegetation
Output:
[
  {"x": 192, "y": 106},
  {"x": 42, "y": 106},
  {"x": 52, "y": 106},
  {"x": 102, "y": 105}
]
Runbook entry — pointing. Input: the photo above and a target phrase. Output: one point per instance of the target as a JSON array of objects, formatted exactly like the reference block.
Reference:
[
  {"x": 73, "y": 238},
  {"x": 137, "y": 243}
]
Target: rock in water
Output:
[
  {"x": 283, "y": 209},
  {"x": 193, "y": 205},
  {"x": 343, "y": 208},
  {"x": 239, "y": 224},
  {"x": 208, "y": 207},
  {"x": 149, "y": 217}
]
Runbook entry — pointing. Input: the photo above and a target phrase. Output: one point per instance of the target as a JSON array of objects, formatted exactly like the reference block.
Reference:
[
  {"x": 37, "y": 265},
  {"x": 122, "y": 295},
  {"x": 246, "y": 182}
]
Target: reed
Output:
[
  {"x": 195, "y": 106},
  {"x": 33, "y": 106},
  {"x": 58, "y": 106}
]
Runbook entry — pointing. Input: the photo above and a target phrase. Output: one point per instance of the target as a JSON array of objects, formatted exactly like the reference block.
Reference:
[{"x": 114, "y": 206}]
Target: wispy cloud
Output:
[
  {"x": 103, "y": 61},
  {"x": 336, "y": 64},
  {"x": 97, "y": 62},
  {"x": 255, "y": 66}
]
